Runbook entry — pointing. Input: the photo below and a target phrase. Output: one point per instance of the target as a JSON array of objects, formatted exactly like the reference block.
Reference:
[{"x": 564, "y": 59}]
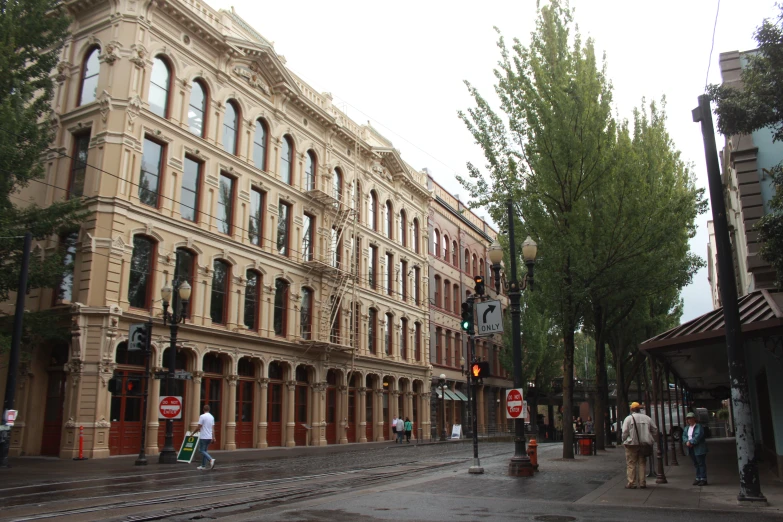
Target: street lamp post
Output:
[
  {"x": 168, "y": 455},
  {"x": 442, "y": 385},
  {"x": 519, "y": 465}
]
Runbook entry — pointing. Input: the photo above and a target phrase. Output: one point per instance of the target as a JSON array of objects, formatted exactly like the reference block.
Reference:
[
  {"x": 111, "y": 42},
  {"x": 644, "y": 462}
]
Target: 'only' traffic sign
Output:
[
  {"x": 514, "y": 404},
  {"x": 489, "y": 317}
]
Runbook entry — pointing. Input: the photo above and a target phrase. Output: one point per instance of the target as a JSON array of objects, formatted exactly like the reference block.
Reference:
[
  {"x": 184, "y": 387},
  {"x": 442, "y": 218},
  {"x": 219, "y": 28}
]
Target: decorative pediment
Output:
[
  {"x": 253, "y": 77},
  {"x": 264, "y": 69}
]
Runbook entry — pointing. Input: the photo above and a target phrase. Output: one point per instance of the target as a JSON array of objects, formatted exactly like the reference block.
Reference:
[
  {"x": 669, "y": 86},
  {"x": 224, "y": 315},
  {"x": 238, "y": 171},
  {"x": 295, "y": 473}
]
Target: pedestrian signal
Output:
[
  {"x": 133, "y": 386},
  {"x": 479, "y": 370}
]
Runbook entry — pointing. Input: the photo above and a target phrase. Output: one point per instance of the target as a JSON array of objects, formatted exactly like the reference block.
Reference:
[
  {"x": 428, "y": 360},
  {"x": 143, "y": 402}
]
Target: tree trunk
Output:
[
  {"x": 568, "y": 386},
  {"x": 601, "y": 386}
]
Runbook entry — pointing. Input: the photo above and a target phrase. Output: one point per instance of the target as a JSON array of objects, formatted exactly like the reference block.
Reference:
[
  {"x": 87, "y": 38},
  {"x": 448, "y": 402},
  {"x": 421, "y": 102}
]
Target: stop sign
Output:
[
  {"x": 170, "y": 407},
  {"x": 514, "y": 409}
]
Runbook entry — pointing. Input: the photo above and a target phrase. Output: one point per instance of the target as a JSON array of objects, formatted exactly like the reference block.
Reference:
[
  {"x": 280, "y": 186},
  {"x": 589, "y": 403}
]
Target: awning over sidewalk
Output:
[
  {"x": 460, "y": 395},
  {"x": 451, "y": 395}
]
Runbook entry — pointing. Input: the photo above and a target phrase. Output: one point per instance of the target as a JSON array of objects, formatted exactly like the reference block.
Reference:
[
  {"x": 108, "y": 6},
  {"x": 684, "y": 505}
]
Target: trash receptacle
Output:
[{"x": 584, "y": 446}]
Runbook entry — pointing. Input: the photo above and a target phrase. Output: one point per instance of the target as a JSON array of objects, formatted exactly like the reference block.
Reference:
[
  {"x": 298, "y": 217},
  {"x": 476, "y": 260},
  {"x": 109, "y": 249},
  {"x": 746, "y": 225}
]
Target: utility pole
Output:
[
  {"x": 750, "y": 485},
  {"x": 13, "y": 360}
]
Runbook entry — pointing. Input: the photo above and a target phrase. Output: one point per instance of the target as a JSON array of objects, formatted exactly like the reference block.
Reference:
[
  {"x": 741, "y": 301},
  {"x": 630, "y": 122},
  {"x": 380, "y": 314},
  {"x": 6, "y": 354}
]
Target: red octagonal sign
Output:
[
  {"x": 514, "y": 404},
  {"x": 170, "y": 407}
]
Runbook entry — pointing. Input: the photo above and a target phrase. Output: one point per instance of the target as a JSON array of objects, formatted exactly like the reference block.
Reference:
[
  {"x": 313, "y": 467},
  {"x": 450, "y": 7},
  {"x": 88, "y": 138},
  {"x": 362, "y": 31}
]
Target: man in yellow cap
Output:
[{"x": 639, "y": 435}]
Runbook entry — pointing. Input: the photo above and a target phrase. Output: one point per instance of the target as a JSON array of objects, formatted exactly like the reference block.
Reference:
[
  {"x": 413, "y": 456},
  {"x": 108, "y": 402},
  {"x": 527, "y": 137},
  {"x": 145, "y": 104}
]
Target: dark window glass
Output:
[
  {"x": 92, "y": 66},
  {"x": 371, "y": 324},
  {"x": 310, "y": 171},
  {"x": 373, "y": 211},
  {"x": 336, "y": 247},
  {"x": 417, "y": 341},
  {"x": 251, "y": 300},
  {"x": 403, "y": 280},
  {"x": 151, "y": 166},
  {"x": 225, "y": 215},
  {"x": 306, "y": 314},
  {"x": 307, "y": 237},
  {"x": 389, "y": 274},
  {"x": 211, "y": 363},
  {"x": 81, "y": 145},
  {"x": 416, "y": 284},
  {"x": 159, "y": 87},
  {"x": 275, "y": 402},
  {"x": 245, "y": 368},
  {"x": 230, "y": 121},
  {"x": 68, "y": 249},
  {"x": 259, "y": 146},
  {"x": 373, "y": 268},
  {"x": 334, "y": 332},
  {"x": 255, "y": 228},
  {"x": 281, "y": 307},
  {"x": 141, "y": 272},
  {"x": 388, "y": 334},
  {"x": 337, "y": 185},
  {"x": 210, "y": 394},
  {"x": 188, "y": 199},
  {"x": 389, "y": 221},
  {"x": 403, "y": 239},
  {"x": 403, "y": 339},
  {"x": 218, "y": 307},
  {"x": 275, "y": 371},
  {"x": 301, "y": 404},
  {"x": 283, "y": 226},
  {"x": 196, "y": 109},
  {"x": 416, "y": 235},
  {"x": 183, "y": 271},
  {"x": 286, "y": 160}
]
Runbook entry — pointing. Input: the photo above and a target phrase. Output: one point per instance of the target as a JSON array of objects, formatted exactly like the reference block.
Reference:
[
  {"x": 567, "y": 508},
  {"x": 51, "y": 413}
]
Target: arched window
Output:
[
  {"x": 197, "y": 108},
  {"x": 276, "y": 372},
  {"x": 252, "y": 299},
  {"x": 437, "y": 286},
  {"x": 404, "y": 339},
  {"x": 286, "y": 159},
  {"x": 372, "y": 212},
  {"x": 467, "y": 261},
  {"x": 90, "y": 69},
  {"x": 403, "y": 229},
  {"x": 436, "y": 243},
  {"x": 446, "y": 294},
  {"x": 306, "y": 314},
  {"x": 481, "y": 268},
  {"x": 475, "y": 265},
  {"x": 231, "y": 127},
  {"x": 417, "y": 341},
  {"x": 141, "y": 272},
  {"x": 184, "y": 268},
  {"x": 416, "y": 235},
  {"x": 281, "y": 307},
  {"x": 218, "y": 309},
  {"x": 372, "y": 320},
  {"x": 260, "y": 139},
  {"x": 125, "y": 357},
  {"x": 388, "y": 334},
  {"x": 389, "y": 221},
  {"x": 456, "y": 307},
  {"x": 454, "y": 254},
  {"x": 337, "y": 185},
  {"x": 160, "y": 83},
  {"x": 310, "y": 170},
  {"x": 445, "y": 247}
]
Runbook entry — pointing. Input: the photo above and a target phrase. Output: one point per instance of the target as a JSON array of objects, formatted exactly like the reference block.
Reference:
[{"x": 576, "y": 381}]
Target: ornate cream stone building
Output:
[{"x": 203, "y": 158}]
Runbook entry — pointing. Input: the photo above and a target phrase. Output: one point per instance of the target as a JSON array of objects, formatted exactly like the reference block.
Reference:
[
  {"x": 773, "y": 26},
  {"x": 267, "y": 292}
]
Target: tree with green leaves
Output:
[
  {"x": 757, "y": 105},
  {"x": 32, "y": 33}
]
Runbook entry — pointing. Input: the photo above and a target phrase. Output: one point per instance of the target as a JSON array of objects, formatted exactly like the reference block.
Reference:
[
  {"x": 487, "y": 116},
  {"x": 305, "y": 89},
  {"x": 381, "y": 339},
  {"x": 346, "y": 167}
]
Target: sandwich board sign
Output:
[
  {"x": 456, "y": 431},
  {"x": 188, "y": 448}
]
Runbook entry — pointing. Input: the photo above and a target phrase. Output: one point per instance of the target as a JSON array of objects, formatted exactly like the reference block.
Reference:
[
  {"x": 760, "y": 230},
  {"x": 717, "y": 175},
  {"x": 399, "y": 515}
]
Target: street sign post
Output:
[
  {"x": 488, "y": 317},
  {"x": 514, "y": 404},
  {"x": 170, "y": 407},
  {"x": 188, "y": 448}
]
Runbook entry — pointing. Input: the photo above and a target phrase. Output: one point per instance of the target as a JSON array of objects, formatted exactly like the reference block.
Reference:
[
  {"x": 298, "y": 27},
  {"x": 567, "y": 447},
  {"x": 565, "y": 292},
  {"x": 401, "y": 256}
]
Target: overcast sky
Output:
[{"x": 401, "y": 66}]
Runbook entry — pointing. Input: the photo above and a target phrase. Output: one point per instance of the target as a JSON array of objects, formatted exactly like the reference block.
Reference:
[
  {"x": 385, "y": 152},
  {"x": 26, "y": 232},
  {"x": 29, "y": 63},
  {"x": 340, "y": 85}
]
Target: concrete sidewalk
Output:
[{"x": 720, "y": 494}]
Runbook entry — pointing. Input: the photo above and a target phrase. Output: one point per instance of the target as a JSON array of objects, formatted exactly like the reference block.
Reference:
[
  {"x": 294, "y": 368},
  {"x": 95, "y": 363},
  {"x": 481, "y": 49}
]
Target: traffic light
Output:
[
  {"x": 115, "y": 386},
  {"x": 479, "y": 284},
  {"x": 133, "y": 386},
  {"x": 138, "y": 337},
  {"x": 479, "y": 370},
  {"x": 467, "y": 318}
]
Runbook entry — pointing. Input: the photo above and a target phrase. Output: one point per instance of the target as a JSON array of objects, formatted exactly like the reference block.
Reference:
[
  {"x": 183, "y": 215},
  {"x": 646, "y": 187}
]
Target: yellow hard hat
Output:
[{"x": 635, "y": 405}]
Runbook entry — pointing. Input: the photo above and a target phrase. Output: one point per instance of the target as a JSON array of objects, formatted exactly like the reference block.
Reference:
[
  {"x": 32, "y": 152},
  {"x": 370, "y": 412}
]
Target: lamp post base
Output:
[
  {"x": 520, "y": 467},
  {"x": 167, "y": 456},
  {"x": 476, "y": 468}
]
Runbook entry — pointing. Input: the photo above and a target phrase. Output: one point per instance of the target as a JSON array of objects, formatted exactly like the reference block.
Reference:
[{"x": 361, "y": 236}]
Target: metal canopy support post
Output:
[
  {"x": 659, "y": 472},
  {"x": 671, "y": 418},
  {"x": 750, "y": 485}
]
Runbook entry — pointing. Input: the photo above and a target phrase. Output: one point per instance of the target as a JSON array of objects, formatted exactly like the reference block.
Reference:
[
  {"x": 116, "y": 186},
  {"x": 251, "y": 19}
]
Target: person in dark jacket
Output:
[{"x": 694, "y": 438}]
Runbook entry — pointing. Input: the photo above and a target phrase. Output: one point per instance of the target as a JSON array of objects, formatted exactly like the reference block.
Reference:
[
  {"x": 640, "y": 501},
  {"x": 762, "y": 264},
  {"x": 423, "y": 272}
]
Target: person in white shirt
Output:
[
  {"x": 638, "y": 430},
  {"x": 394, "y": 429},
  {"x": 205, "y": 424}
]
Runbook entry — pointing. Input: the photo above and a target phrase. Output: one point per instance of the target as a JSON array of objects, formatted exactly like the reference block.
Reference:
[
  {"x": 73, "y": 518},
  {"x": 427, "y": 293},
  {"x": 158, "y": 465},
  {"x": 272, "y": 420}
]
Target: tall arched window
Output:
[
  {"x": 231, "y": 127},
  {"x": 306, "y": 314},
  {"x": 184, "y": 268},
  {"x": 416, "y": 235},
  {"x": 141, "y": 272},
  {"x": 260, "y": 139},
  {"x": 310, "y": 170},
  {"x": 454, "y": 254},
  {"x": 456, "y": 299},
  {"x": 388, "y": 334},
  {"x": 417, "y": 341},
  {"x": 372, "y": 212},
  {"x": 437, "y": 291},
  {"x": 337, "y": 185},
  {"x": 252, "y": 299},
  {"x": 372, "y": 324},
  {"x": 446, "y": 294},
  {"x": 481, "y": 268},
  {"x": 280, "y": 320},
  {"x": 197, "y": 108},
  {"x": 160, "y": 84},
  {"x": 436, "y": 243},
  {"x": 445, "y": 247},
  {"x": 404, "y": 339},
  {"x": 475, "y": 265},
  {"x": 218, "y": 309},
  {"x": 403, "y": 233},
  {"x": 90, "y": 69},
  {"x": 389, "y": 221},
  {"x": 467, "y": 261},
  {"x": 286, "y": 159}
]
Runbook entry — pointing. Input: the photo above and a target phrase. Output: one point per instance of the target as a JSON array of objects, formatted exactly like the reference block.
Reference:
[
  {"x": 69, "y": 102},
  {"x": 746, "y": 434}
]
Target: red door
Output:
[
  {"x": 386, "y": 426},
  {"x": 274, "y": 430},
  {"x": 351, "y": 428},
  {"x": 368, "y": 415},
  {"x": 244, "y": 414},
  {"x": 331, "y": 415},
  {"x": 300, "y": 415},
  {"x": 125, "y": 432},
  {"x": 211, "y": 393},
  {"x": 53, "y": 415}
]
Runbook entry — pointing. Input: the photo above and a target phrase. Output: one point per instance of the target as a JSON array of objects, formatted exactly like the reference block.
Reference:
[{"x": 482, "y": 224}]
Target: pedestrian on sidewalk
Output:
[
  {"x": 205, "y": 424},
  {"x": 696, "y": 441},
  {"x": 408, "y": 429},
  {"x": 394, "y": 429},
  {"x": 639, "y": 435},
  {"x": 400, "y": 430}
]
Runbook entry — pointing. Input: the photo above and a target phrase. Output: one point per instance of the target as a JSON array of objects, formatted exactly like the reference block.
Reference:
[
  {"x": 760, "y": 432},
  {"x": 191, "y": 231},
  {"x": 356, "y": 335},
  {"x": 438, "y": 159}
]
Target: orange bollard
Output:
[
  {"x": 81, "y": 444},
  {"x": 532, "y": 452}
]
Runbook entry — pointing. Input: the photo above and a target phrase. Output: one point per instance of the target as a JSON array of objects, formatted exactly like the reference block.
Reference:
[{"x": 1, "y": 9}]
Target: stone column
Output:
[
  {"x": 394, "y": 399},
  {"x": 342, "y": 414},
  {"x": 153, "y": 424},
  {"x": 377, "y": 414},
  {"x": 361, "y": 425},
  {"x": 426, "y": 415},
  {"x": 290, "y": 422},
  {"x": 194, "y": 399},
  {"x": 318, "y": 414},
  {"x": 409, "y": 407},
  {"x": 231, "y": 414},
  {"x": 263, "y": 411}
]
